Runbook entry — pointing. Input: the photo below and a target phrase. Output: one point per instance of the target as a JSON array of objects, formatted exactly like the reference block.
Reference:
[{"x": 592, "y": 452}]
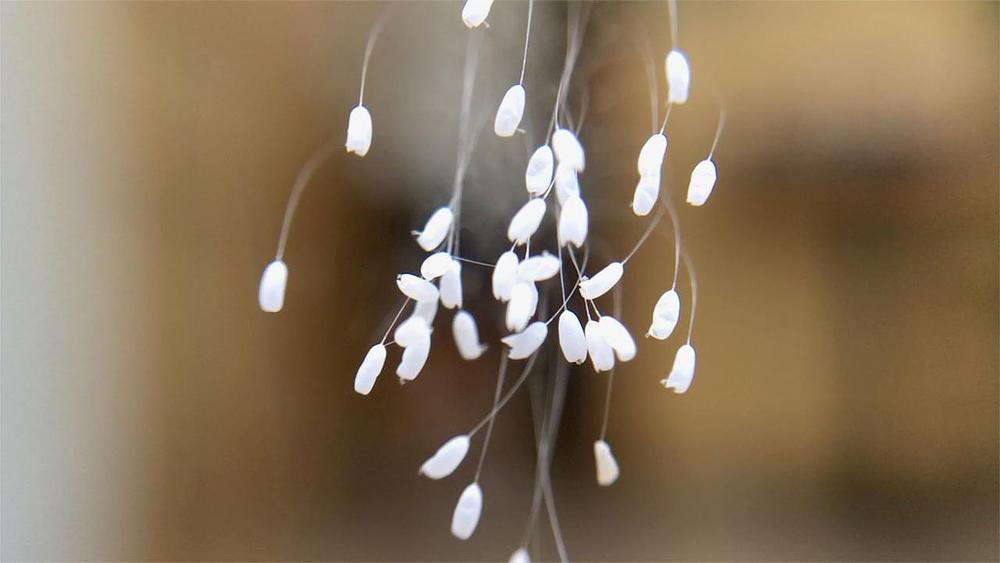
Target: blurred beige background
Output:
[{"x": 845, "y": 406}]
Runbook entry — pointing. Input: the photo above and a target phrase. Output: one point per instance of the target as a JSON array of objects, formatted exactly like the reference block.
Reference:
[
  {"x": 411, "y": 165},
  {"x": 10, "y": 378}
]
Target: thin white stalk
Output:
[
  {"x": 666, "y": 117},
  {"x": 677, "y": 240},
  {"x": 672, "y": 6},
  {"x": 527, "y": 36},
  {"x": 649, "y": 230},
  {"x": 506, "y": 397},
  {"x": 465, "y": 145},
  {"x": 718, "y": 131},
  {"x": 501, "y": 374},
  {"x": 372, "y": 36},
  {"x": 611, "y": 374},
  {"x": 316, "y": 159},
  {"x": 692, "y": 276},
  {"x": 654, "y": 96},
  {"x": 394, "y": 320}
]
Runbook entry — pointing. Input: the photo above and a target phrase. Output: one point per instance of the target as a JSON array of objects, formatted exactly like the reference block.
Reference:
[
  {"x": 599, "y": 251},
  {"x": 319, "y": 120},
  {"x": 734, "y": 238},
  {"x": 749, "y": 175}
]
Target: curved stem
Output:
[
  {"x": 489, "y": 429},
  {"x": 663, "y": 127},
  {"x": 672, "y": 5},
  {"x": 396, "y": 318},
  {"x": 316, "y": 159},
  {"x": 649, "y": 230},
  {"x": 527, "y": 36},
  {"x": 694, "y": 292},
  {"x": 372, "y": 36},
  {"x": 506, "y": 397},
  {"x": 718, "y": 130}
]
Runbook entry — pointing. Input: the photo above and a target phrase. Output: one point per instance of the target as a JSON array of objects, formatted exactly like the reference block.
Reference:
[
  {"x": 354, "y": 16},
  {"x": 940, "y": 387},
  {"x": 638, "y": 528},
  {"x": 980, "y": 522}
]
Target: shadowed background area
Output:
[{"x": 845, "y": 404}]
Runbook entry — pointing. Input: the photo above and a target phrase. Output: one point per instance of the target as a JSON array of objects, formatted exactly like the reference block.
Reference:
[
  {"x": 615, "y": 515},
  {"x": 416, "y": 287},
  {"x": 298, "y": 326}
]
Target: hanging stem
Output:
[
  {"x": 372, "y": 36},
  {"x": 489, "y": 429},
  {"x": 527, "y": 35},
  {"x": 316, "y": 159}
]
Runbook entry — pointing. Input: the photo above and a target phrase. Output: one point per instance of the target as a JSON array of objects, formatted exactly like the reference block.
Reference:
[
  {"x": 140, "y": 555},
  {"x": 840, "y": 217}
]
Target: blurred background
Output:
[{"x": 845, "y": 405}]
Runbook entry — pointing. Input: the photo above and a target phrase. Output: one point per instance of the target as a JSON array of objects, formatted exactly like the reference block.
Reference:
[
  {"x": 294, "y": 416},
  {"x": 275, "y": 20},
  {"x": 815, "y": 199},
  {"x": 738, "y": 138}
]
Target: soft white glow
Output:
[
  {"x": 509, "y": 112},
  {"x": 359, "y": 131},
  {"x": 448, "y": 457},
  {"x": 601, "y": 353},
  {"x": 602, "y": 282},
  {"x": 646, "y": 193},
  {"x": 466, "y": 334},
  {"x": 519, "y": 308},
  {"x": 474, "y": 12},
  {"x": 665, "y": 314},
  {"x": 568, "y": 149},
  {"x": 572, "y": 340},
  {"x": 683, "y": 371},
  {"x": 467, "y": 511},
  {"x": 435, "y": 265},
  {"x": 451, "y": 286},
  {"x": 504, "y": 275},
  {"x": 702, "y": 182},
  {"x": 539, "y": 268},
  {"x": 435, "y": 230},
  {"x": 412, "y": 331},
  {"x": 607, "y": 465},
  {"x": 651, "y": 155},
  {"x": 538, "y": 173},
  {"x": 573, "y": 222},
  {"x": 615, "y": 334},
  {"x": 271, "y": 292},
  {"x": 525, "y": 222},
  {"x": 567, "y": 184},
  {"x": 678, "y": 77},
  {"x": 414, "y": 358},
  {"x": 416, "y": 288},
  {"x": 369, "y": 369},
  {"x": 524, "y": 343}
]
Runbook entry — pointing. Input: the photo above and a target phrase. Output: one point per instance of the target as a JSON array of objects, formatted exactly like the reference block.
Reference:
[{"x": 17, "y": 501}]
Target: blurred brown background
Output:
[{"x": 845, "y": 406}]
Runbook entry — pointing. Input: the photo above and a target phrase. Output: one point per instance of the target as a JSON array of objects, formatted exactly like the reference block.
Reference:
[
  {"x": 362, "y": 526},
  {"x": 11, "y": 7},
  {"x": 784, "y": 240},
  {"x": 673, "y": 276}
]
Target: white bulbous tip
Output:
[
  {"x": 504, "y": 276},
  {"x": 618, "y": 337},
  {"x": 678, "y": 77},
  {"x": 526, "y": 342},
  {"x": 572, "y": 339},
  {"x": 416, "y": 287},
  {"x": 682, "y": 372},
  {"x": 525, "y": 222},
  {"x": 520, "y": 556},
  {"x": 567, "y": 184},
  {"x": 414, "y": 358},
  {"x": 647, "y": 191},
  {"x": 413, "y": 330},
  {"x": 602, "y": 355},
  {"x": 370, "y": 369},
  {"x": 538, "y": 172},
  {"x": 359, "y": 131},
  {"x": 573, "y": 222},
  {"x": 602, "y": 282},
  {"x": 466, "y": 335},
  {"x": 436, "y": 229},
  {"x": 451, "y": 286},
  {"x": 539, "y": 267},
  {"x": 467, "y": 511},
  {"x": 568, "y": 149},
  {"x": 651, "y": 155},
  {"x": 435, "y": 265},
  {"x": 666, "y": 312},
  {"x": 702, "y": 182},
  {"x": 607, "y": 465},
  {"x": 475, "y": 12},
  {"x": 448, "y": 457},
  {"x": 510, "y": 112},
  {"x": 271, "y": 293}
]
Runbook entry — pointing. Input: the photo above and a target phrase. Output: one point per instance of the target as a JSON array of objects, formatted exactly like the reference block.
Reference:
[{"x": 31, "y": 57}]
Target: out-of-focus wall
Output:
[{"x": 845, "y": 405}]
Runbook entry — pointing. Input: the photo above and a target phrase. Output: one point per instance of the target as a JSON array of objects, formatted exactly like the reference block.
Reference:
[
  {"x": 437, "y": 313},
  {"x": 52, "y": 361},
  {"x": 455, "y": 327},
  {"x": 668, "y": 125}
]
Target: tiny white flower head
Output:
[
  {"x": 505, "y": 275},
  {"x": 602, "y": 282},
  {"x": 539, "y": 268},
  {"x": 413, "y": 330},
  {"x": 448, "y": 457},
  {"x": 520, "y": 556},
  {"x": 436, "y": 229},
  {"x": 683, "y": 371},
  {"x": 651, "y": 155},
  {"x": 414, "y": 358},
  {"x": 538, "y": 174},
  {"x": 601, "y": 353},
  {"x": 451, "y": 286},
  {"x": 665, "y": 314},
  {"x": 510, "y": 112},
  {"x": 524, "y": 343},
  {"x": 416, "y": 288},
  {"x": 615, "y": 334},
  {"x": 359, "y": 131},
  {"x": 369, "y": 370},
  {"x": 678, "y": 77},
  {"x": 573, "y": 222},
  {"x": 435, "y": 265},
  {"x": 607, "y": 465},
  {"x": 520, "y": 307},
  {"x": 568, "y": 149},
  {"x": 571, "y": 338},
  {"x": 567, "y": 184},
  {"x": 425, "y": 310},
  {"x": 702, "y": 181},
  {"x": 467, "y": 511},
  {"x": 466, "y": 334},
  {"x": 271, "y": 292},
  {"x": 525, "y": 222},
  {"x": 474, "y": 12},
  {"x": 646, "y": 193}
]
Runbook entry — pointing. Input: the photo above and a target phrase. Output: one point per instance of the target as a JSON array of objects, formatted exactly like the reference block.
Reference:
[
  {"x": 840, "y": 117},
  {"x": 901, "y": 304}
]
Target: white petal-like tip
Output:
[
  {"x": 526, "y": 342},
  {"x": 505, "y": 275},
  {"x": 702, "y": 182},
  {"x": 520, "y": 556},
  {"x": 678, "y": 77},
  {"x": 426, "y": 310},
  {"x": 538, "y": 173},
  {"x": 448, "y": 457},
  {"x": 271, "y": 292},
  {"x": 568, "y": 149},
  {"x": 413, "y": 330},
  {"x": 539, "y": 268},
  {"x": 651, "y": 156},
  {"x": 602, "y": 282},
  {"x": 474, "y": 12},
  {"x": 509, "y": 112},
  {"x": 369, "y": 370},
  {"x": 683, "y": 371},
  {"x": 602, "y": 355},
  {"x": 451, "y": 286},
  {"x": 646, "y": 193},
  {"x": 607, "y": 465},
  {"x": 467, "y": 511},
  {"x": 414, "y": 358},
  {"x": 573, "y": 222},
  {"x": 359, "y": 131},
  {"x": 436, "y": 229},
  {"x": 416, "y": 288},
  {"x": 466, "y": 335},
  {"x": 567, "y": 183},
  {"x": 435, "y": 265},
  {"x": 519, "y": 308},
  {"x": 525, "y": 222},
  {"x": 572, "y": 340},
  {"x": 666, "y": 312},
  {"x": 615, "y": 334}
]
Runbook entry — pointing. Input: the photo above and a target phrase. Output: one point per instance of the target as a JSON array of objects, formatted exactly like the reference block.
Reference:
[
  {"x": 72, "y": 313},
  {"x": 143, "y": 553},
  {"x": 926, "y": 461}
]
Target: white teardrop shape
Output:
[
  {"x": 519, "y": 308},
  {"x": 463, "y": 327},
  {"x": 271, "y": 292},
  {"x": 359, "y": 131},
  {"x": 651, "y": 155},
  {"x": 435, "y": 265},
  {"x": 539, "y": 268},
  {"x": 678, "y": 77},
  {"x": 436, "y": 229},
  {"x": 425, "y": 310},
  {"x": 571, "y": 338},
  {"x": 505, "y": 275},
  {"x": 524, "y": 343},
  {"x": 474, "y": 12},
  {"x": 448, "y": 457},
  {"x": 683, "y": 371},
  {"x": 573, "y": 222},
  {"x": 607, "y": 465},
  {"x": 525, "y": 222},
  {"x": 451, "y": 286},
  {"x": 702, "y": 181},
  {"x": 411, "y": 331},
  {"x": 601, "y": 353},
  {"x": 533, "y": 304},
  {"x": 646, "y": 193},
  {"x": 520, "y": 556},
  {"x": 510, "y": 112},
  {"x": 467, "y": 511},
  {"x": 414, "y": 358},
  {"x": 568, "y": 149},
  {"x": 538, "y": 174},
  {"x": 615, "y": 334},
  {"x": 567, "y": 184},
  {"x": 665, "y": 314},
  {"x": 416, "y": 288},
  {"x": 602, "y": 282},
  {"x": 370, "y": 367}
]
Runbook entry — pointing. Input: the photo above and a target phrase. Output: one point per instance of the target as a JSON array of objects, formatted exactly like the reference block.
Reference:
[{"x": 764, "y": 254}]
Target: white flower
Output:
[
  {"x": 678, "y": 77},
  {"x": 524, "y": 343},
  {"x": 568, "y": 149},
  {"x": 359, "y": 131},
  {"x": 571, "y": 338},
  {"x": 451, "y": 286},
  {"x": 651, "y": 156},
  {"x": 466, "y": 334},
  {"x": 520, "y": 307},
  {"x": 412, "y": 331},
  {"x": 567, "y": 184},
  {"x": 602, "y": 282},
  {"x": 448, "y": 457},
  {"x": 601, "y": 353},
  {"x": 538, "y": 173},
  {"x": 369, "y": 370},
  {"x": 271, "y": 293},
  {"x": 414, "y": 358},
  {"x": 573, "y": 222},
  {"x": 616, "y": 335},
  {"x": 665, "y": 314},
  {"x": 646, "y": 193},
  {"x": 683, "y": 371},
  {"x": 416, "y": 288},
  {"x": 525, "y": 222},
  {"x": 607, "y": 465},
  {"x": 425, "y": 310},
  {"x": 435, "y": 265},
  {"x": 539, "y": 268},
  {"x": 702, "y": 181},
  {"x": 467, "y": 511},
  {"x": 474, "y": 12},
  {"x": 436, "y": 229},
  {"x": 520, "y": 556},
  {"x": 510, "y": 112},
  {"x": 505, "y": 275}
]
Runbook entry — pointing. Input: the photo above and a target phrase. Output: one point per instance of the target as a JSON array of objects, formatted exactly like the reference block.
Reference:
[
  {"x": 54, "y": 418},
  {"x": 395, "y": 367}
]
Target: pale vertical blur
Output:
[{"x": 845, "y": 406}]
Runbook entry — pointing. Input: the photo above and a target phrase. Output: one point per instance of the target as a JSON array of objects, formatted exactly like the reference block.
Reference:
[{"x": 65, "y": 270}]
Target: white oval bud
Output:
[
  {"x": 414, "y": 358},
  {"x": 525, "y": 222},
  {"x": 359, "y": 131},
  {"x": 602, "y": 282},
  {"x": 607, "y": 465},
  {"x": 678, "y": 77},
  {"x": 369, "y": 370},
  {"x": 571, "y": 338},
  {"x": 519, "y": 308},
  {"x": 665, "y": 314},
  {"x": 538, "y": 174},
  {"x": 411, "y": 331},
  {"x": 416, "y": 288},
  {"x": 435, "y": 265},
  {"x": 425, "y": 310},
  {"x": 573, "y": 222},
  {"x": 510, "y": 112},
  {"x": 520, "y": 556},
  {"x": 601, "y": 353},
  {"x": 463, "y": 327},
  {"x": 702, "y": 181},
  {"x": 568, "y": 149},
  {"x": 436, "y": 229},
  {"x": 271, "y": 292},
  {"x": 683, "y": 371},
  {"x": 467, "y": 511},
  {"x": 646, "y": 193},
  {"x": 567, "y": 184},
  {"x": 526, "y": 342},
  {"x": 474, "y": 12},
  {"x": 539, "y": 268},
  {"x": 651, "y": 155},
  {"x": 504, "y": 275},
  {"x": 615, "y": 334},
  {"x": 447, "y": 459},
  {"x": 451, "y": 286}
]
